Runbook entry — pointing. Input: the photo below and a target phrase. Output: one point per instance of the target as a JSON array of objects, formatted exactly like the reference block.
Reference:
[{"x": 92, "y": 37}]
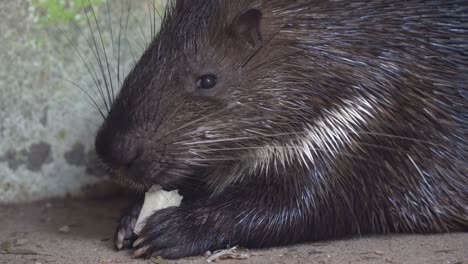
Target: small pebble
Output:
[
  {"x": 21, "y": 242},
  {"x": 158, "y": 260},
  {"x": 64, "y": 229}
]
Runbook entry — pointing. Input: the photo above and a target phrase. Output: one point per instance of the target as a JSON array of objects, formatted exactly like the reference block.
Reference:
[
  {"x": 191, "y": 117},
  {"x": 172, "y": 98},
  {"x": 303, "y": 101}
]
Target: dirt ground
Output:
[{"x": 80, "y": 231}]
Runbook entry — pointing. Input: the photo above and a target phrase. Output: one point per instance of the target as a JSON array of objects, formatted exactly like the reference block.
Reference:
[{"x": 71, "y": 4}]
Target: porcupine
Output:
[{"x": 291, "y": 121}]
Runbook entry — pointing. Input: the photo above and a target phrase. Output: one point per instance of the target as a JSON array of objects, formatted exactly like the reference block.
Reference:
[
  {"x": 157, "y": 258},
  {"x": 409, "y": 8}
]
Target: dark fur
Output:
[{"x": 402, "y": 168}]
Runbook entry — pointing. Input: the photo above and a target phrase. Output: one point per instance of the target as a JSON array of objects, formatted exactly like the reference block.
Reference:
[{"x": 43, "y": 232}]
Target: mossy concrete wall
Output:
[{"x": 47, "y": 123}]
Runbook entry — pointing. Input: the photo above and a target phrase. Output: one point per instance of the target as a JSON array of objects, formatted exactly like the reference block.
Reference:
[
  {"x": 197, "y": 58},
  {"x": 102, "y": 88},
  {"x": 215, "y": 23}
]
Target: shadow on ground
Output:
[{"x": 80, "y": 231}]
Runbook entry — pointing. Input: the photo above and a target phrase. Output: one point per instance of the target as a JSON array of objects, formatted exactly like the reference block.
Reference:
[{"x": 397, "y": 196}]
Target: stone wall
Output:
[{"x": 47, "y": 122}]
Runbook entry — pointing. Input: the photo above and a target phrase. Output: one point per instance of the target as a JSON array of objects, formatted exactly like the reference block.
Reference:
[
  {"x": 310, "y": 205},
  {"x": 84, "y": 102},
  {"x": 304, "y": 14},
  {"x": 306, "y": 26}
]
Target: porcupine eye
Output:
[{"x": 207, "y": 81}]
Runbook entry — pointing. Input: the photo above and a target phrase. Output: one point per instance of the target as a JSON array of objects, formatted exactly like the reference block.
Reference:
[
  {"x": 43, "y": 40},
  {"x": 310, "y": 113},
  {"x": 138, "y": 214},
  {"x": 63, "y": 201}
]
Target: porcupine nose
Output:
[
  {"x": 118, "y": 151},
  {"x": 131, "y": 156}
]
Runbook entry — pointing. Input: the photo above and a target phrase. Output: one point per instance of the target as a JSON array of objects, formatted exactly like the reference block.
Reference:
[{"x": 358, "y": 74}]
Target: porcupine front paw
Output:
[
  {"x": 176, "y": 232},
  {"x": 243, "y": 217},
  {"x": 124, "y": 235}
]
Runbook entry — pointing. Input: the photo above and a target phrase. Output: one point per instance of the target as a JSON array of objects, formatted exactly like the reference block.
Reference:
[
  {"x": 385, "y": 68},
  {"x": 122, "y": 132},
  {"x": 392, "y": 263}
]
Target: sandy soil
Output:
[{"x": 80, "y": 231}]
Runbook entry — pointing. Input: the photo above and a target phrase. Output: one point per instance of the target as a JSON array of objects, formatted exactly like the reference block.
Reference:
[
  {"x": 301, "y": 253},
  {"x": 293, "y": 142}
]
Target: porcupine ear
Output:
[{"x": 247, "y": 26}]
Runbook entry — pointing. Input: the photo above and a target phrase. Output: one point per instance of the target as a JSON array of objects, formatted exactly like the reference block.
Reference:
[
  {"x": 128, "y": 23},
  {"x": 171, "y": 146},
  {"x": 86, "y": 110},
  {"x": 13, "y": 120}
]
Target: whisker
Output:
[
  {"x": 158, "y": 106},
  {"x": 217, "y": 140},
  {"x": 89, "y": 67},
  {"x": 191, "y": 123},
  {"x": 119, "y": 47},
  {"x": 289, "y": 147},
  {"x": 188, "y": 176},
  {"x": 126, "y": 32},
  {"x": 143, "y": 36},
  {"x": 156, "y": 11},
  {"x": 94, "y": 103},
  {"x": 273, "y": 147},
  {"x": 304, "y": 133},
  {"x": 98, "y": 54},
  {"x": 152, "y": 25},
  {"x": 180, "y": 166},
  {"x": 110, "y": 26},
  {"x": 110, "y": 93}
]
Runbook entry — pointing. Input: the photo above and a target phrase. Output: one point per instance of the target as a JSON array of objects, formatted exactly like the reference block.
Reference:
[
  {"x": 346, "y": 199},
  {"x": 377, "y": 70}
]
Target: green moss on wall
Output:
[
  {"x": 53, "y": 11},
  {"x": 61, "y": 135}
]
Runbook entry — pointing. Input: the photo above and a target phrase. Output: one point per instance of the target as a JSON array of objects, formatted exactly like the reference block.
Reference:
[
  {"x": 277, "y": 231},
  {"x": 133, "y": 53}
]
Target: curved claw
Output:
[
  {"x": 138, "y": 242},
  {"x": 124, "y": 235},
  {"x": 140, "y": 252}
]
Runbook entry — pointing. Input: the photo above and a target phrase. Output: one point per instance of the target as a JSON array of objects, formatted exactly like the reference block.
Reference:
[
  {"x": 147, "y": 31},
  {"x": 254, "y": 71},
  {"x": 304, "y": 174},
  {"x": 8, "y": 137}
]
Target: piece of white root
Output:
[
  {"x": 231, "y": 253},
  {"x": 156, "y": 199}
]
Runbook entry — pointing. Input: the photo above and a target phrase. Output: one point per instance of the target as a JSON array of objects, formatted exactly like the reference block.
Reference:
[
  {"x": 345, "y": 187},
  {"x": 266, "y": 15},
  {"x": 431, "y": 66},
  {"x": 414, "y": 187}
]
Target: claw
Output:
[
  {"x": 124, "y": 235},
  {"x": 140, "y": 252},
  {"x": 120, "y": 239},
  {"x": 138, "y": 242}
]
